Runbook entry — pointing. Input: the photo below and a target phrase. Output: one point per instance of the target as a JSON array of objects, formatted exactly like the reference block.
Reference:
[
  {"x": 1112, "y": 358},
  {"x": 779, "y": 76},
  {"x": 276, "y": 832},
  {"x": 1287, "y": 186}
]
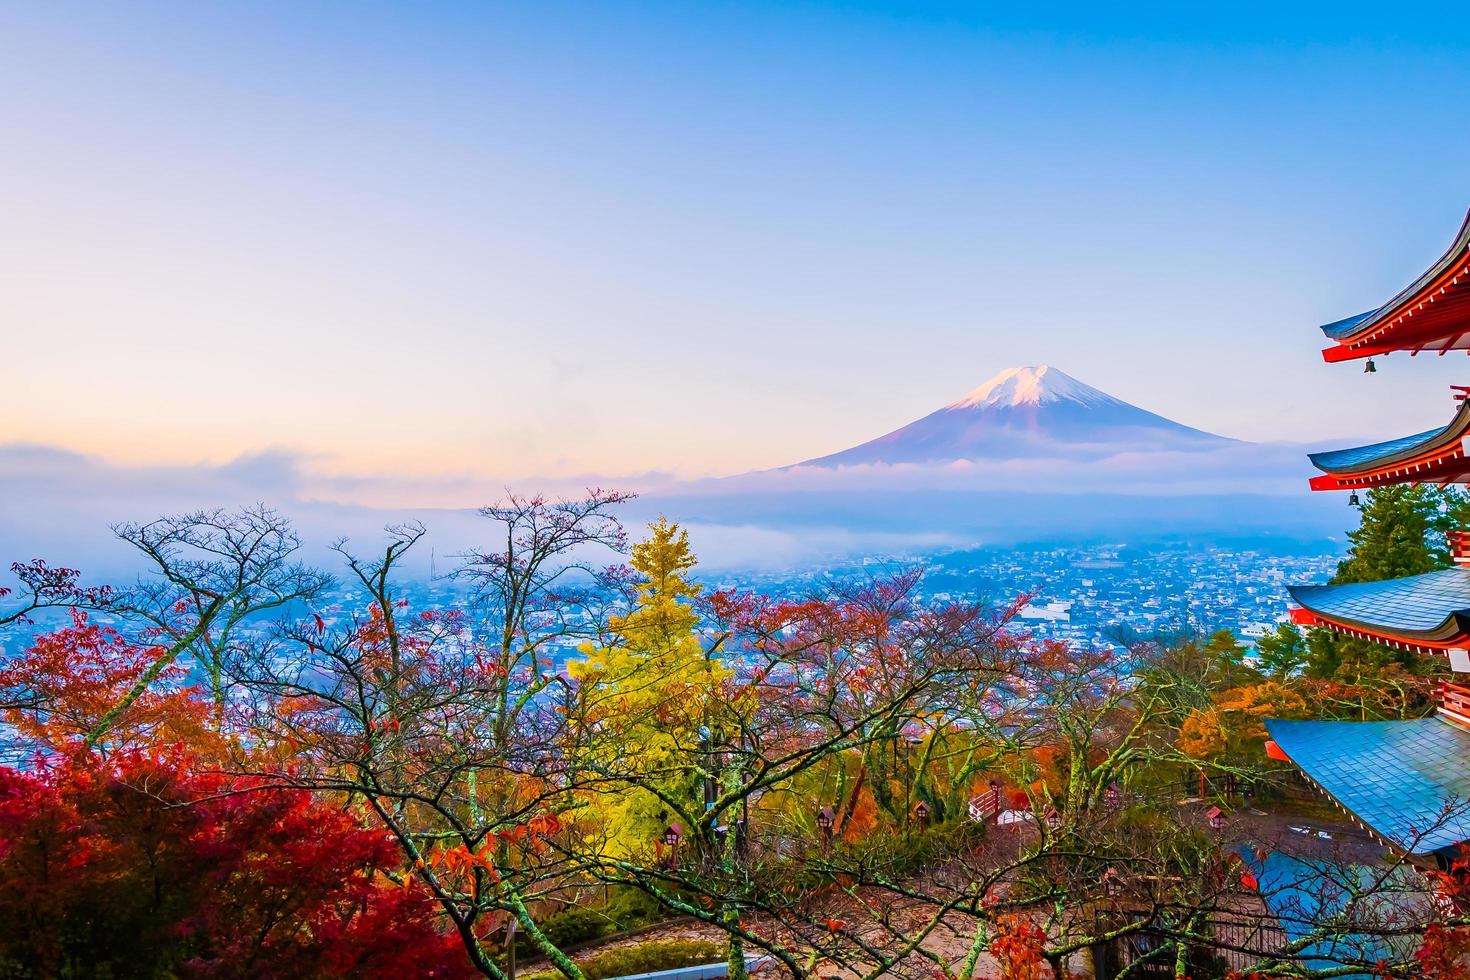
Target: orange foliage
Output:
[
  {"x": 1444, "y": 952},
  {"x": 61, "y": 687},
  {"x": 1236, "y": 717},
  {"x": 1017, "y": 947},
  {"x": 864, "y": 818},
  {"x": 1202, "y": 735}
]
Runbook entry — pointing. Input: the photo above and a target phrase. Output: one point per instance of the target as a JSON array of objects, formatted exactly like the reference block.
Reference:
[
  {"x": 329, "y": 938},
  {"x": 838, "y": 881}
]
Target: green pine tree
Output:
[
  {"x": 1401, "y": 531},
  {"x": 1283, "y": 652}
]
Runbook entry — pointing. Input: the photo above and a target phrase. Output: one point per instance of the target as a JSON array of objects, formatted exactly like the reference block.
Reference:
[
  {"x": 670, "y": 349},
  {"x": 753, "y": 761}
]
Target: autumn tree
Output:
[
  {"x": 144, "y": 867},
  {"x": 646, "y": 695},
  {"x": 57, "y": 691},
  {"x": 1231, "y": 729},
  {"x": 1092, "y": 719},
  {"x": 210, "y": 572},
  {"x": 1187, "y": 670},
  {"x": 446, "y": 726}
]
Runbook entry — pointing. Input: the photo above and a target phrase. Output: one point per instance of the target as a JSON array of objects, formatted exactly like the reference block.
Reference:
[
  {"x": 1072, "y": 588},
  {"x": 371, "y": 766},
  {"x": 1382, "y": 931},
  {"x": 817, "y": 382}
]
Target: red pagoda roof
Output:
[
  {"x": 1432, "y": 313},
  {"x": 1435, "y": 456}
]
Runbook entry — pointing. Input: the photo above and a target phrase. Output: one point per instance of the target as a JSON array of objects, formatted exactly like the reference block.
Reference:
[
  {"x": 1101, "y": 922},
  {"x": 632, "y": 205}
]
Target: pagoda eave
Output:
[
  {"x": 1428, "y": 613},
  {"x": 1454, "y": 469},
  {"x": 1454, "y": 636},
  {"x": 1432, "y": 313},
  {"x": 1439, "y": 455},
  {"x": 1340, "y": 352},
  {"x": 1334, "y": 355}
]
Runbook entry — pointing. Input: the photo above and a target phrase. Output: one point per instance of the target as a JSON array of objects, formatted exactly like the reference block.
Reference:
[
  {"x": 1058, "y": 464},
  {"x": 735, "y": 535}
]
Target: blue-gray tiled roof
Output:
[
  {"x": 1416, "y": 604},
  {"x": 1395, "y": 776},
  {"x": 1339, "y": 460},
  {"x": 1345, "y": 328}
]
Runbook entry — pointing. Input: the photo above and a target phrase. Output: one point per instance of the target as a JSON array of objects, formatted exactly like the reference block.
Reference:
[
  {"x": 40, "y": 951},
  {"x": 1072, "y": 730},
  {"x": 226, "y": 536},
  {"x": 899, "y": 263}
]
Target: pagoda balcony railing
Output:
[
  {"x": 1459, "y": 542},
  {"x": 1454, "y": 702}
]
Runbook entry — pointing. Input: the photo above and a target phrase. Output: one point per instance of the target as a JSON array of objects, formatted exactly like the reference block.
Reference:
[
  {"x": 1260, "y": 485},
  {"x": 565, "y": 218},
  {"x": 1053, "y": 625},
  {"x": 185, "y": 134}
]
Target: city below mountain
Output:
[{"x": 1021, "y": 413}]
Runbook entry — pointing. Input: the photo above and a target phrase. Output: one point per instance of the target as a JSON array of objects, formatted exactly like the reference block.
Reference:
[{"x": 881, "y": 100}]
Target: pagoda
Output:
[{"x": 1400, "y": 780}]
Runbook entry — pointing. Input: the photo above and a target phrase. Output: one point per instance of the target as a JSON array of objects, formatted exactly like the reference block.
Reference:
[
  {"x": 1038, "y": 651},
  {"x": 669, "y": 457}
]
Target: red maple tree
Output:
[{"x": 143, "y": 866}]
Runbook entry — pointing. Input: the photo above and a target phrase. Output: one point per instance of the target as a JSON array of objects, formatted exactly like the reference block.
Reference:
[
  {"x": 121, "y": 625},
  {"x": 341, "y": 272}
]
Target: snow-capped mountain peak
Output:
[
  {"x": 1038, "y": 385},
  {"x": 1026, "y": 413}
]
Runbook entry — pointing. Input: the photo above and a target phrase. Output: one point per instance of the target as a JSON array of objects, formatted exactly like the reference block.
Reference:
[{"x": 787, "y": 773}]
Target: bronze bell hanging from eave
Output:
[{"x": 1370, "y": 367}]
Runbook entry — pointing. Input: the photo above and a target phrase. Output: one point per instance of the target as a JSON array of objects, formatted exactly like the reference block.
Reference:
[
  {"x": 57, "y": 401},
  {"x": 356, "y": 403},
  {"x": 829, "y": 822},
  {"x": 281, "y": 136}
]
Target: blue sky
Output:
[{"x": 509, "y": 240}]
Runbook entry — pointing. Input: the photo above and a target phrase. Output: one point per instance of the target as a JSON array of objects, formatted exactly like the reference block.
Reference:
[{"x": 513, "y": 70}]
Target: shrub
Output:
[
  {"x": 631, "y": 908},
  {"x": 577, "y": 924},
  {"x": 142, "y": 866},
  {"x": 645, "y": 958}
]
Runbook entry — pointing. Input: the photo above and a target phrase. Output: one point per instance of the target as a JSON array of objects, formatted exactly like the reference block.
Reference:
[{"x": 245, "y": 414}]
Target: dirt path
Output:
[{"x": 949, "y": 940}]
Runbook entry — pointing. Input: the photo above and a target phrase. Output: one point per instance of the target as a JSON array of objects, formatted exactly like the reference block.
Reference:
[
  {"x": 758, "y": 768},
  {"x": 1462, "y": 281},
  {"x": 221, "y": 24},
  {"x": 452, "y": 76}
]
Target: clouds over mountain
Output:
[
  {"x": 59, "y": 504},
  {"x": 1031, "y": 454}
]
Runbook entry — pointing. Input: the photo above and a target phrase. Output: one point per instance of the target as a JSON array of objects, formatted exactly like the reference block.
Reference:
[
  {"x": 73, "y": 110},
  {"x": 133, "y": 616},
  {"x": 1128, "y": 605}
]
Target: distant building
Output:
[{"x": 1056, "y": 612}]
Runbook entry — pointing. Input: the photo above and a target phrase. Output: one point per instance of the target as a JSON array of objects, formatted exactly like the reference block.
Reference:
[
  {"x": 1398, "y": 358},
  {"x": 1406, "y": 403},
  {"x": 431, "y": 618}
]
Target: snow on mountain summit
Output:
[
  {"x": 1031, "y": 386},
  {"x": 1026, "y": 413}
]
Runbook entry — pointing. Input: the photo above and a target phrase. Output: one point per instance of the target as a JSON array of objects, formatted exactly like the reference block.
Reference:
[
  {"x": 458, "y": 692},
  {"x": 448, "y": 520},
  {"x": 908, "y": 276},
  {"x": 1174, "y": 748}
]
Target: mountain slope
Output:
[{"x": 1021, "y": 413}]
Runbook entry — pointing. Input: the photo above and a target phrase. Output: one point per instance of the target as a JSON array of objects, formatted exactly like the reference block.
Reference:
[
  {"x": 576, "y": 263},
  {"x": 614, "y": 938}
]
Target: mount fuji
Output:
[
  {"x": 1032, "y": 456},
  {"x": 1025, "y": 413}
]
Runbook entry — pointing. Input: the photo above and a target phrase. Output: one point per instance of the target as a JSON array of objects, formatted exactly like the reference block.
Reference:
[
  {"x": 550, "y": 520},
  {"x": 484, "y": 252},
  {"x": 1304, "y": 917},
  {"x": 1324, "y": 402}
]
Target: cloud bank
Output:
[{"x": 58, "y": 504}]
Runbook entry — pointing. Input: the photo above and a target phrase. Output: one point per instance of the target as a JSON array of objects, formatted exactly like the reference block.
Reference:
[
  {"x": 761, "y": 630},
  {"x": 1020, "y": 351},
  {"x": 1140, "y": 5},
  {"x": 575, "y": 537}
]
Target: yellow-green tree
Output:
[{"x": 644, "y": 698}]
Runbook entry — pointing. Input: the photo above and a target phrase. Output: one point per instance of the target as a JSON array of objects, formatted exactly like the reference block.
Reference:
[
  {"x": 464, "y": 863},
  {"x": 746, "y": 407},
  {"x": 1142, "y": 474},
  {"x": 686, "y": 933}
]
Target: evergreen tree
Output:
[
  {"x": 1401, "y": 531},
  {"x": 1283, "y": 652}
]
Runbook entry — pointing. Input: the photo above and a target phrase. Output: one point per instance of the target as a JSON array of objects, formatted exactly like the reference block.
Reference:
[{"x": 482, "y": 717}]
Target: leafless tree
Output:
[
  {"x": 211, "y": 572},
  {"x": 445, "y": 732},
  {"x": 533, "y": 593}
]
